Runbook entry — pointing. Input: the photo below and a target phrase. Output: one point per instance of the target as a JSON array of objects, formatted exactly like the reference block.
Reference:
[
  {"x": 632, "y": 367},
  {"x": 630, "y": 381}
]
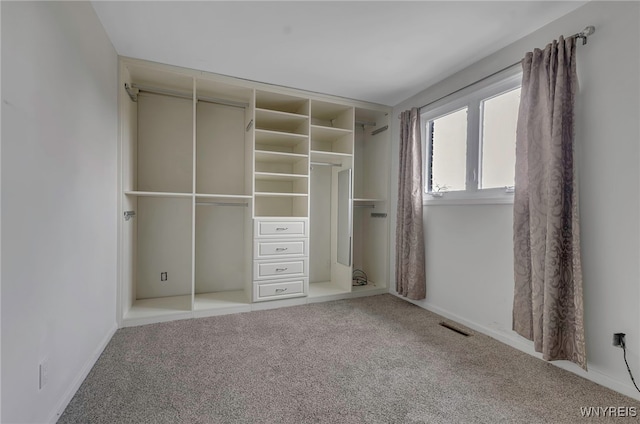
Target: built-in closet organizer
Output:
[
  {"x": 238, "y": 196},
  {"x": 186, "y": 161},
  {"x": 281, "y": 235}
]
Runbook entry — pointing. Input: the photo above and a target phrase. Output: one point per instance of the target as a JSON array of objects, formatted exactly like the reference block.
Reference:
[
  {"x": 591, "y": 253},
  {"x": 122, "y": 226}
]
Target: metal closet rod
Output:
[
  {"x": 379, "y": 130},
  {"x": 584, "y": 34},
  {"x": 180, "y": 94}
]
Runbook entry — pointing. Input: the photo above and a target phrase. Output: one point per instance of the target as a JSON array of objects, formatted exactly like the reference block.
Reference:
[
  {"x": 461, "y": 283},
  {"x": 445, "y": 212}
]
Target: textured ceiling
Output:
[{"x": 382, "y": 52}]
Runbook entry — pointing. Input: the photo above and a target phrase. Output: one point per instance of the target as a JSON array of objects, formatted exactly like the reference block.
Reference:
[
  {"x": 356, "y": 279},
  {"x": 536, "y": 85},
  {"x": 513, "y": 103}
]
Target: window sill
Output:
[{"x": 449, "y": 201}]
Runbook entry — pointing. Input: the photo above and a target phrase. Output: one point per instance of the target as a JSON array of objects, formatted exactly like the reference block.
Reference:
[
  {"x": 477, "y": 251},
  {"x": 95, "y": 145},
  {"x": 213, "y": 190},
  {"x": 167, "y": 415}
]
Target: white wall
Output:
[
  {"x": 469, "y": 248},
  {"x": 59, "y": 174}
]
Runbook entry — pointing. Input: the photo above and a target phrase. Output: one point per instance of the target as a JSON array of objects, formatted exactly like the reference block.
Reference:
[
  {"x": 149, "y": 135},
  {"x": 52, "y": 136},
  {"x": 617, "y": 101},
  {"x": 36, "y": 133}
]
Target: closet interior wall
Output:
[{"x": 371, "y": 240}]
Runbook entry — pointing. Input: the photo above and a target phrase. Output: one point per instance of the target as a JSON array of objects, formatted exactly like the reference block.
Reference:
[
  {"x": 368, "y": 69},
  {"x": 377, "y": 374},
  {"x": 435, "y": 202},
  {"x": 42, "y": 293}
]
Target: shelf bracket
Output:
[{"x": 129, "y": 214}]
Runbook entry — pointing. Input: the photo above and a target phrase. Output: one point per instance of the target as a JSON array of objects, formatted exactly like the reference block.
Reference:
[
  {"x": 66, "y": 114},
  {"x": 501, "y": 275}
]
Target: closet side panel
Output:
[
  {"x": 220, "y": 149},
  {"x": 128, "y": 158},
  {"x": 220, "y": 248},
  {"x": 320, "y": 225},
  {"x": 165, "y": 144},
  {"x": 164, "y": 245}
]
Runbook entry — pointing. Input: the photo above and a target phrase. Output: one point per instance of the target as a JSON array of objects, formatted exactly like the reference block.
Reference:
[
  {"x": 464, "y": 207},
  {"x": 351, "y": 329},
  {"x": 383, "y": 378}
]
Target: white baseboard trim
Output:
[
  {"x": 71, "y": 391},
  {"x": 517, "y": 342}
]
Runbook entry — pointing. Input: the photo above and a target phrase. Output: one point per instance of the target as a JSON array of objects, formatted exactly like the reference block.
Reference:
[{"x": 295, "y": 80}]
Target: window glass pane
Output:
[
  {"x": 499, "y": 140},
  {"x": 448, "y": 152}
]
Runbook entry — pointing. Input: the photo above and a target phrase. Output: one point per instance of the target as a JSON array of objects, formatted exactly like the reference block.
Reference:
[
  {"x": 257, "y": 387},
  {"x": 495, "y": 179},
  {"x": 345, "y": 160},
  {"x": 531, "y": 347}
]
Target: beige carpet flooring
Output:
[{"x": 369, "y": 360}]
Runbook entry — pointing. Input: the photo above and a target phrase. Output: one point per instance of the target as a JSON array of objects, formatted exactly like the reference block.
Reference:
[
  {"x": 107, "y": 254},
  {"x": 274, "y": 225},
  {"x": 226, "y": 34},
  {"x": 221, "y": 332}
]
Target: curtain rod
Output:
[{"x": 584, "y": 34}]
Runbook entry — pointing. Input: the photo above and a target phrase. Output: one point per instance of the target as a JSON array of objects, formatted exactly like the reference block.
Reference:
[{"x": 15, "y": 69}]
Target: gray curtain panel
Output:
[
  {"x": 548, "y": 305},
  {"x": 410, "y": 269}
]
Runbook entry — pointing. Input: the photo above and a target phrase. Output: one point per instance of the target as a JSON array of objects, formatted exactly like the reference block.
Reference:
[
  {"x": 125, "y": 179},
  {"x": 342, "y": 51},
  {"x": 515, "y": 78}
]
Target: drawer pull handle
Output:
[
  {"x": 281, "y": 249},
  {"x": 281, "y": 290},
  {"x": 282, "y": 228},
  {"x": 281, "y": 269}
]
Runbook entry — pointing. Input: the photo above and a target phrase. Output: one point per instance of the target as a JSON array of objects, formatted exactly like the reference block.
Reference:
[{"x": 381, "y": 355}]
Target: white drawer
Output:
[
  {"x": 263, "y": 270},
  {"x": 279, "y": 290},
  {"x": 272, "y": 249},
  {"x": 281, "y": 228}
]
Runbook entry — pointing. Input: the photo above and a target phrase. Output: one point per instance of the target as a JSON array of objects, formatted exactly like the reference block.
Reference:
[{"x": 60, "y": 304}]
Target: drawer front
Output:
[
  {"x": 272, "y": 249},
  {"x": 288, "y": 228},
  {"x": 281, "y": 269},
  {"x": 279, "y": 290}
]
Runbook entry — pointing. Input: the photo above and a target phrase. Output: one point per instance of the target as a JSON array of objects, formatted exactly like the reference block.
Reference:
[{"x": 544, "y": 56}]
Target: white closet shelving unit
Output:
[{"x": 229, "y": 195}]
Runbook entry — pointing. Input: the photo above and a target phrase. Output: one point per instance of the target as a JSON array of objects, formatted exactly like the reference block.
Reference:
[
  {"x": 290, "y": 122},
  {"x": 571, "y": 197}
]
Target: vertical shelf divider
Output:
[{"x": 193, "y": 196}]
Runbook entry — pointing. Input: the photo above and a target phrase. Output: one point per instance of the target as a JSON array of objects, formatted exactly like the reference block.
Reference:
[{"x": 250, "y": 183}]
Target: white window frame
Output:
[{"x": 471, "y": 98}]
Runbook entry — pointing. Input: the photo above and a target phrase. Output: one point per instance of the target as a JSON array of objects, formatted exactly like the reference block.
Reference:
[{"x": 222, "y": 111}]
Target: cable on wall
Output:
[{"x": 624, "y": 355}]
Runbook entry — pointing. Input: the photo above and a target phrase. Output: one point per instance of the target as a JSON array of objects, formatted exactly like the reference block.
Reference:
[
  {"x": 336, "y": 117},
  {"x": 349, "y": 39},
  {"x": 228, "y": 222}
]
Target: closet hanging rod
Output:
[
  {"x": 183, "y": 95},
  {"x": 364, "y": 206},
  {"x": 379, "y": 130},
  {"x": 584, "y": 34},
  {"x": 221, "y": 204},
  {"x": 368, "y": 123},
  {"x": 326, "y": 164}
]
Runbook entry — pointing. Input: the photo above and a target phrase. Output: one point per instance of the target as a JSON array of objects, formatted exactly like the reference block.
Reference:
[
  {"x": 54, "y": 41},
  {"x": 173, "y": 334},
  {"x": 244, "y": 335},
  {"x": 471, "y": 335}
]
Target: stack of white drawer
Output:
[{"x": 280, "y": 258}]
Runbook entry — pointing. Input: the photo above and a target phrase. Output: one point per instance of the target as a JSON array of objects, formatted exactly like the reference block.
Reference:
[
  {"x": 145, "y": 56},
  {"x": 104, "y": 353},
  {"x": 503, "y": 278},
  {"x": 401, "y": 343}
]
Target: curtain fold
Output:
[
  {"x": 548, "y": 303},
  {"x": 410, "y": 254}
]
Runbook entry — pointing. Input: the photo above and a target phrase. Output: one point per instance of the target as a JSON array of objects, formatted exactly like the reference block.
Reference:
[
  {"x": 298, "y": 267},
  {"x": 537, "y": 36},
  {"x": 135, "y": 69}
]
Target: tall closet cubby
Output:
[{"x": 237, "y": 195}]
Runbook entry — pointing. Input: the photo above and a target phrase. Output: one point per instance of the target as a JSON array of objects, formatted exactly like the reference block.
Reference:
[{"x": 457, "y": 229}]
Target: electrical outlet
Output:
[
  {"x": 618, "y": 339},
  {"x": 163, "y": 276},
  {"x": 43, "y": 374}
]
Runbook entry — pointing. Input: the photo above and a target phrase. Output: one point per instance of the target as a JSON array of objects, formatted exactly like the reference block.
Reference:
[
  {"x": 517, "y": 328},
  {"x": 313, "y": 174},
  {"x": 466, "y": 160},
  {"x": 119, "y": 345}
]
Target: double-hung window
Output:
[{"x": 469, "y": 144}]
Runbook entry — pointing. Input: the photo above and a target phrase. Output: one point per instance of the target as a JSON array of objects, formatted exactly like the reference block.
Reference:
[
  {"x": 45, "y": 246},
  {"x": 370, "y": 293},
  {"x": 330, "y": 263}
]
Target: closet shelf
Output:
[
  {"x": 146, "y": 308},
  {"x": 223, "y": 196},
  {"x": 328, "y": 134},
  {"x": 269, "y": 156},
  {"x": 331, "y": 131},
  {"x": 275, "y": 176},
  {"x": 156, "y": 194},
  {"x": 220, "y": 300},
  {"x": 275, "y": 194},
  {"x": 273, "y": 113},
  {"x": 282, "y": 122},
  {"x": 278, "y": 138},
  {"x": 321, "y": 155}
]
